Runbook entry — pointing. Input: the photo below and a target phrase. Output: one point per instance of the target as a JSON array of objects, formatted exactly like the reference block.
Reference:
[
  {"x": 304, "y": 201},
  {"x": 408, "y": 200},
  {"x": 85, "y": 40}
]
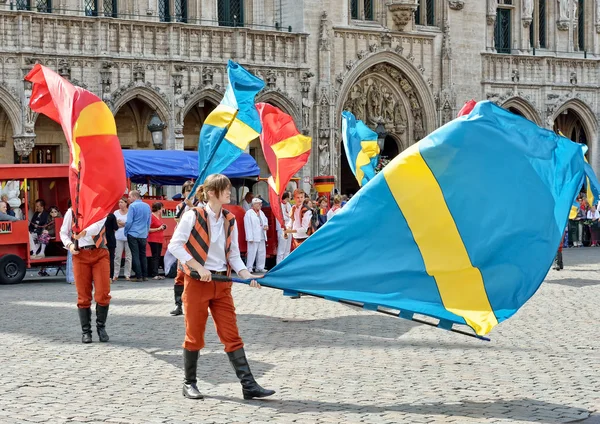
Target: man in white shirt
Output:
[
  {"x": 284, "y": 241},
  {"x": 206, "y": 244},
  {"x": 256, "y": 226},
  {"x": 91, "y": 263}
]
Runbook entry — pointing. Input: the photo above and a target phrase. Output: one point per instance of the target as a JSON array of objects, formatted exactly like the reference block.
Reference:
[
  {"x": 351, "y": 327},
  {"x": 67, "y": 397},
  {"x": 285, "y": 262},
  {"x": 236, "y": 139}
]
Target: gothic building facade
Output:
[{"x": 403, "y": 66}]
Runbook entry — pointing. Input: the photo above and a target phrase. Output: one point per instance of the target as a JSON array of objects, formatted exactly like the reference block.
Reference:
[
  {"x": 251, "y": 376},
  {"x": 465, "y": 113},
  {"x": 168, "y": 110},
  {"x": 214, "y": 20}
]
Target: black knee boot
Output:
[
  {"x": 178, "y": 290},
  {"x": 101, "y": 315},
  {"x": 250, "y": 388},
  {"x": 85, "y": 318},
  {"x": 190, "y": 363},
  {"x": 559, "y": 261}
]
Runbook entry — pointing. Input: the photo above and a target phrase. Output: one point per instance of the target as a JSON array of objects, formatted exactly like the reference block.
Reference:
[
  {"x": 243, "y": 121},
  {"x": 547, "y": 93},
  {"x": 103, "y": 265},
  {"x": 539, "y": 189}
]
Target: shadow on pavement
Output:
[
  {"x": 514, "y": 410},
  {"x": 574, "y": 282}
]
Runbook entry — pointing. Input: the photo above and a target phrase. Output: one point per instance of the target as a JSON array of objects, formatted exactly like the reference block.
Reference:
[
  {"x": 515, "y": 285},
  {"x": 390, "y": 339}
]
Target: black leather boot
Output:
[
  {"x": 250, "y": 388},
  {"x": 190, "y": 363},
  {"x": 559, "y": 260},
  {"x": 85, "y": 318},
  {"x": 178, "y": 290},
  {"x": 101, "y": 315}
]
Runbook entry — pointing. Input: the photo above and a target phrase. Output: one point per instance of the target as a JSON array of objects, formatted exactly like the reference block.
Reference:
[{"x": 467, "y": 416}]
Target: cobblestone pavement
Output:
[{"x": 329, "y": 363}]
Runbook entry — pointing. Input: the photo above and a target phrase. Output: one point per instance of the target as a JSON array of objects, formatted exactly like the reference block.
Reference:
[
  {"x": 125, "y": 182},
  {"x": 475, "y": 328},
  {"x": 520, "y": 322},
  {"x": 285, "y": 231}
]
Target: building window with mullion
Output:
[
  {"x": 231, "y": 12},
  {"x": 181, "y": 11},
  {"x": 581, "y": 24},
  {"x": 361, "y": 10},
  {"x": 502, "y": 31},
  {"x": 106, "y": 8},
  {"x": 44, "y": 6},
  {"x": 425, "y": 13},
  {"x": 537, "y": 29}
]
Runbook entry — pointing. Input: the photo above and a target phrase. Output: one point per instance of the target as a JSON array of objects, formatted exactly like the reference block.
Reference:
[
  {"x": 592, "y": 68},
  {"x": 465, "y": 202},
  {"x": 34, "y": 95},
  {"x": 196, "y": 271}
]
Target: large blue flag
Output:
[
  {"x": 231, "y": 126},
  {"x": 360, "y": 144},
  {"x": 462, "y": 226}
]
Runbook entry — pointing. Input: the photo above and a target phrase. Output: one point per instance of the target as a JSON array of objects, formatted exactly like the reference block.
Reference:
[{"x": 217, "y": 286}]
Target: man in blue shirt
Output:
[{"x": 136, "y": 231}]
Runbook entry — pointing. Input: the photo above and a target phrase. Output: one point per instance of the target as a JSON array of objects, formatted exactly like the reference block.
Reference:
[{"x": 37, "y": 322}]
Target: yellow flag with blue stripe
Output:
[
  {"x": 362, "y": 150},
  {"x": 440, "y": 231},
  {"x": 232, "y": 125}
]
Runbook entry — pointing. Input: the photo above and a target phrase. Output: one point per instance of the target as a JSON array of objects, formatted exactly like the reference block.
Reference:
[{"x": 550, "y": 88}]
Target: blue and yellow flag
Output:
[
  {"x": 362, "y": 150},
  {"x": 229, "y": 129},
  {"x": 443, "y": 230}
]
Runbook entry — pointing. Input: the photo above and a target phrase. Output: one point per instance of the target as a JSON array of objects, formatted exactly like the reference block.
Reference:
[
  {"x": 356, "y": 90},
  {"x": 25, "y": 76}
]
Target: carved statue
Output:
[
  {"x": 527, "y": 9},
  {"x": 414, "y": 103},
  {"x": 491, "y": 7},
  {"x": 179, "y": 104},
  {"x": 374, "y": 102},
  {"x": 597, "y": 12},
  {"x": 563, "y": 10},
  {"x": 306, "y": 105},
  {"x": 388, "y": 107},
  {"x": 324, "y": 156}
]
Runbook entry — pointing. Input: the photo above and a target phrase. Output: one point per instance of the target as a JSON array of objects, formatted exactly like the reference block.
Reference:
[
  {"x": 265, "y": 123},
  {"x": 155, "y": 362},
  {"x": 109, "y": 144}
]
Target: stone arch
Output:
[
  {"x": 399, "y": 69},
  {"x": 147, "y": 95},
  {"x": 12, "y": 109},
  {"x": 208, "y": 93},
  {"x": 282, "y": 102},
  {"x": 589, "y": 124},
  {"x": 525, "y": 108}
]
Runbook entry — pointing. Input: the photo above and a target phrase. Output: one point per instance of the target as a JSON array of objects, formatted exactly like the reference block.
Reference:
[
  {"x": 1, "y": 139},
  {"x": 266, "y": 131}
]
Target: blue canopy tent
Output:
[{"x": 174, "y": 167}]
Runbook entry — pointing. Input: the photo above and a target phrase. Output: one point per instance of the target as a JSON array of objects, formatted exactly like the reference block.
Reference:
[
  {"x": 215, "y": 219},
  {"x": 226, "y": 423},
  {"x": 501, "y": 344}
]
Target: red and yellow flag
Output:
[
  {"x": 97, "y": 169},
  {"x": 286, "y": 151}
]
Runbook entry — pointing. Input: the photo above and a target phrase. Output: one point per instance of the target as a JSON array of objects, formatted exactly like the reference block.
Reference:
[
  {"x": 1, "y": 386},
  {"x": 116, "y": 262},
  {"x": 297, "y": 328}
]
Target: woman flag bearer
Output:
[
  {"x": 256, "y": 226},
  {"x": 206, "y": 241}
]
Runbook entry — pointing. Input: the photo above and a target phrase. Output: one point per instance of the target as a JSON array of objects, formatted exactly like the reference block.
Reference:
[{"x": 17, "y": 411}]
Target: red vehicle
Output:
[{"x": 48, "y": 182}]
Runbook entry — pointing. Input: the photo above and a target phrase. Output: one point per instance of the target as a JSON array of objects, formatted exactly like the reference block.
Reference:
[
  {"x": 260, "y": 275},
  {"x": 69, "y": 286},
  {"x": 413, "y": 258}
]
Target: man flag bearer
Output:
[{"x": 206, "y": 241}]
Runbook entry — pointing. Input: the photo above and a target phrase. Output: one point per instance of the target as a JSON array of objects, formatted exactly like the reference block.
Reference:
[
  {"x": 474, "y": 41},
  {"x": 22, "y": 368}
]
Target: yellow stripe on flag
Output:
[
  {"x": 221, "y": 116},
  {"x": 446, "y": 259},
  {"x": 292, "y": 147},
  {"x": 239, "y": 134},
  {"x": 369, "y": 149}
]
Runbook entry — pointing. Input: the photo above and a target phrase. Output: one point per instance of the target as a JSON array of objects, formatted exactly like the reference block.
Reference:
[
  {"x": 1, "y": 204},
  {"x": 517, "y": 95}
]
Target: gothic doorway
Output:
[
  {"x": 571, "y": 126},
  {"x": 6, "y": 133},
  {"x": 132, "y": 124}
]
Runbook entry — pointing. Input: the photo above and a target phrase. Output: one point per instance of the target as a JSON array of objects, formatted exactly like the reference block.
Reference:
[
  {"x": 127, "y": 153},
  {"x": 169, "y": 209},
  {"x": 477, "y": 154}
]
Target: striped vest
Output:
[
  {"x": 99, "y": 239},
  {"x": 199, "y": 240}
]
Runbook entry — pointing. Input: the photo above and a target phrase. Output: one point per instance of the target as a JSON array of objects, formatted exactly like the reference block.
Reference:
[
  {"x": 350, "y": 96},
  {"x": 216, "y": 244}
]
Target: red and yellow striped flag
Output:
[
  {"x": 286, "y": 151},
  {"x": 97, "y": 169}
]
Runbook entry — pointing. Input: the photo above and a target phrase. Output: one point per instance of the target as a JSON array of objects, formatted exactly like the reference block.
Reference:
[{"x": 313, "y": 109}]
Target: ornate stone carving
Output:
[
  {"x": 386, "y": 39},
  {"x": 373, "y": 47},
  {"x": 324, "y": 123},
  {"x": 139, "y": 74},
  {"x": 324, "y": 38},
  {"x": 446, "y": 102},
  {"x": 361, "y": 54},
  {"x": 402, "y": 12},
  {"x": 106, "y": 79},
  {"x": 179, "y": 102},
  {"x": 207, "y": 75},
  {"x": 64, "y": 69},
  {"x": 456, "y": 4},
  {"x": 515, "y": 76},
  {"x": 124, "y": 88},
  {"x": 305, "y": 83},
  {"x": 24, "y": 144},
  {"x": 307, "y": 105},
  {"x": 562, "y": 25},
  {"x": 270, "y": 78},
  {"x": 492, "y": 5},
  {"x": 573, "y": 78}
]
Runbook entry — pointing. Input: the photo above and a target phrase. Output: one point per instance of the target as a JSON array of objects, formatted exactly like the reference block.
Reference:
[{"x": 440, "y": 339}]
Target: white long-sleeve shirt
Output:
[
  {"x": 254, "y": 225},
  {"x": 300, "y": 223},
  {"x": 593, "y": 215},
  {"x": 332, "y": 212},
  {"x": 90, "y": 232},
  {"x": 216, "y": 259}
]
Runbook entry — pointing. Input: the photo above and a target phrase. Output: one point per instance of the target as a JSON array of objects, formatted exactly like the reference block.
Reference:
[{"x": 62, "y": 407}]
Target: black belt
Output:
[
  {"x": 218, "y": 272},
  {"x": 87, "y": 247}
]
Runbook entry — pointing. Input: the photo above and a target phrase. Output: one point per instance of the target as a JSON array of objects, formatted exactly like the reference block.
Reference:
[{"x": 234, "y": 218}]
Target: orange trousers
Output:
[
  {"x": 197, "y": 297},
  {"x": 92, "y": 266},
  {"x": 296, "y": 243},
  {"x": 179, "y": 278}
]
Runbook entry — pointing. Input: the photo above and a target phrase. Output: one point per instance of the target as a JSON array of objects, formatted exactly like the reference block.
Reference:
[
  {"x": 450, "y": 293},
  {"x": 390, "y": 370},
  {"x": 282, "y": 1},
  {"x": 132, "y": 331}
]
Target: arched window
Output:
[
  {"x": 35, "y": 5},
  {"x": 231, "y": 12},
  {"x": 101, "y": 8},
  {"x": 361, "y": 9},
  {"x": 425, "y": 13}
]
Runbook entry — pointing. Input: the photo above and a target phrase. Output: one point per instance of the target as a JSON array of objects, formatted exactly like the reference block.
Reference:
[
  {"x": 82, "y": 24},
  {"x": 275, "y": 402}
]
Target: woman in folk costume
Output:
[
  {"x": 256, "y": 226},
  {"x": 206, "y": 242},
  {"x": 284, "y": 241}
]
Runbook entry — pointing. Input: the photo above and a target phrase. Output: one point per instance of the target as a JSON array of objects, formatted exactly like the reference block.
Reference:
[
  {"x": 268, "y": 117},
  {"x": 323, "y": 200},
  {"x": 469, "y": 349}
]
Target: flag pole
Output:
[
  {"x": 76, "y": 242},
  {"x": 223, "y": 279}
]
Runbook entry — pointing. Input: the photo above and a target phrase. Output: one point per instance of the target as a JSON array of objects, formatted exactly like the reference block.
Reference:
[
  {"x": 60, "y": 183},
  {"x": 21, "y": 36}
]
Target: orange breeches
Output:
[
  {"x": 92, "y": 266},
  {"x": 297, "y": 242},
  {"x": 179, "y": 278},
  {"x": 198, "y": 297}
]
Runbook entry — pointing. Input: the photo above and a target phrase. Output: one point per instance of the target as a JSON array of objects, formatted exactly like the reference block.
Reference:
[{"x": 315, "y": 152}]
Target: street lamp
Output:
[
  {"x": 381, "y": 134},
  {"x": 156, "y": 127}
]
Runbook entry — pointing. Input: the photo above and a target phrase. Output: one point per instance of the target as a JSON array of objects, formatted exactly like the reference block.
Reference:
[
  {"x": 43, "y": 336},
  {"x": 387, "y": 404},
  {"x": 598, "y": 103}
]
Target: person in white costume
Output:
[
  {"x": 284, "y": 241},
  {"x": 256, "y": 226}
]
